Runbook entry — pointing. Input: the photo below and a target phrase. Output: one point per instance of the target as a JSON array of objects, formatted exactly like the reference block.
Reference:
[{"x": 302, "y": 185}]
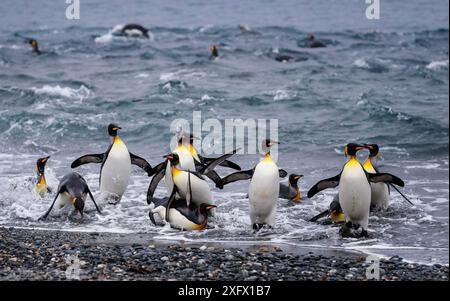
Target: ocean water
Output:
[{"x": 384, "y": 81}]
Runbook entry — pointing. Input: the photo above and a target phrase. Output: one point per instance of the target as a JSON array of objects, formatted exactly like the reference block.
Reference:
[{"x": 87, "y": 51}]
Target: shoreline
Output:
[{"x": 46, "y": 255}]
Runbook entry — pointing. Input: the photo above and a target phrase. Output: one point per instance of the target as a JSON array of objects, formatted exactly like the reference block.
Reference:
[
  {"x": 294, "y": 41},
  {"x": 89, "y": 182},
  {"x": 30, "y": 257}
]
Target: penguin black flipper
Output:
[
  {"x": 169, "y": 203},
  {"x": 212, "y": 164},
  {"x": 60, "y": 189},
  {"x": 286, "y": 192},
  {"x": 159, "y": 174},
  {"x": 282, "y": 173},
  {"x": 324, "y": 184},
  {"x": 142, "y": 163},
  {"x": 93, "y": 200},
  {"x": 212, "y": 175},
  {"x": 386, "y": 178},
  {"x": 92, "y": 158},
  {"x": 320, "y": 215},
  {"x": 238, "y": 176},
  {"x": 225, "y": 163},
  {"x": 49, "y": 190}
]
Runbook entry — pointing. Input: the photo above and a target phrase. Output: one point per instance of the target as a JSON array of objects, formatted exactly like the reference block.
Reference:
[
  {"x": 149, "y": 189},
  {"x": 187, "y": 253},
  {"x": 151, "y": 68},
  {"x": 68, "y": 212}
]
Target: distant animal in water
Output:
[
  {"x": 284, "y": 58},
  {"x": 72, "y": 190},
  {"x": 41, "y": 183},
  {"x": 135, "y": 31},
  {"x": 214, "y": 52},
  {"x": 34, "y": 46},
  {"x": 311, "y": 42}
]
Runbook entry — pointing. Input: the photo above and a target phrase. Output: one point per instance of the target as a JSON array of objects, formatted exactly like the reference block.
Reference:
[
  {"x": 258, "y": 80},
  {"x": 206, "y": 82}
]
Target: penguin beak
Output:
[
  {"x": 209, "y": 207},
  {"x": 298, "y": 177},
  {"x": 272, "y": 142},
  {"x": 117, "y": 128},
  {"x": 168, "y": 157},
  {"x": 45, "y": 159}
]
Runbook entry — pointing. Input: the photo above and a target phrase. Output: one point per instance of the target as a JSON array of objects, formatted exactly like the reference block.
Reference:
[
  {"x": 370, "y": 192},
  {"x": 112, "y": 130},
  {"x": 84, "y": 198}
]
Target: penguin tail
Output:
[{"x": 320, "y": 215}]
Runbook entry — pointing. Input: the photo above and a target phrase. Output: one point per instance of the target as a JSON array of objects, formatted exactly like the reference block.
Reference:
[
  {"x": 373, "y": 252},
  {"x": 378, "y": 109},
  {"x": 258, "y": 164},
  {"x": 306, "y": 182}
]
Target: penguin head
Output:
[
  {"x": 78, "y": 202},
  {"x": 267, "y": 144},
  {"x": 40, "y": 164},
  {"x": 34, "y": 44},
  {"x": 374, "y": 149},
  {"x": 310, "y": 37},
  {"x": 352, "y": 148},
  {"x": 112, "y": 129},
  {"x": 204, "y": 208},
  {"x": 184, "y": 138},
  {"x": 293, "y": 179},
  {"x": 173, "y": 158}
]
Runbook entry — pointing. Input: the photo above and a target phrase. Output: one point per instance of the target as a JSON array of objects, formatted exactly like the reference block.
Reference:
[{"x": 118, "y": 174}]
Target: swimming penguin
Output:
[
  {"x": 334, "y": 212},
  {"x": 214, "y": 52},
  {"x": 354, "y": 190},
  {"x": 41, "y": 183},
  {"x": 116, "y": 163},
  {"x": 291, "y": 191},
  {"x": 135, "y": 30},
  {"x": 72, "y": 190},
  {"x": 264, "y": 187},
  {"x": 34, "y": 46},
  {"x": 311, "y": 42},
  {"x": 180, "y": 215},
  {"x": 284, "y": 58}
]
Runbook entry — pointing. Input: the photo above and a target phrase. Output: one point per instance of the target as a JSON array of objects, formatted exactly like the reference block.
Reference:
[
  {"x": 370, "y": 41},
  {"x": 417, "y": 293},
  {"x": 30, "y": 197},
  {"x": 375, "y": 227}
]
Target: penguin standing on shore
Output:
[
  {"x": 72, "y": 190},
  {"x": 354, "y": 190},
  {"x": 291, "y": 191},
  {"x": 41, "y": 183},
  {"x": 264, "y": 187},
  {"x": 116, "y": 163}
]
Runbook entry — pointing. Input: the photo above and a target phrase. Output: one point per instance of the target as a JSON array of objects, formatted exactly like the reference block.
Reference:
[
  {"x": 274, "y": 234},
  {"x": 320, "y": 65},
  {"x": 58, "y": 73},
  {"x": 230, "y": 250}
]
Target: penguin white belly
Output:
[
  {"x": 64, "y": 200},
  {"x": 116, "y": 171},
  {"x": 201, "y": 193},
  {"x": 355, "y": 194},
  {"x": 380, "y": 195},
  {"x": 186, "y": 159},
  {"x": 263, "y": 193},
  {"x": 176, "y": 219},
  {"x": 168, "y": 181}
]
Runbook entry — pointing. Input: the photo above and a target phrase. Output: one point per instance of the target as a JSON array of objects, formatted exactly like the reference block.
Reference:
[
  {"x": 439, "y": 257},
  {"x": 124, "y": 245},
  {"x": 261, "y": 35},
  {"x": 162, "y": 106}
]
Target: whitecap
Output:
[
  {"x": 437, "y": 65},
  {"x": 81, "y": 93}
]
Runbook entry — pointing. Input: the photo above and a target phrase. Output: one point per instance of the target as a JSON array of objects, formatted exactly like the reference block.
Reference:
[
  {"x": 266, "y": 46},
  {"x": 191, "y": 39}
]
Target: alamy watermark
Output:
[
  {"x": 373, "y": 270},
  {"x": 373, "y": 10},
  {"x": 73, "y": 10},
  {"x": 223, "y": 136},
  {"x": 73, "y": 268}
]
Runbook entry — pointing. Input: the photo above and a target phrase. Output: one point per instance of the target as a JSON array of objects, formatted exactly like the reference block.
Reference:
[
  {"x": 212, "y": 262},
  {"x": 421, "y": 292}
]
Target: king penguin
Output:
[
  {"x": 180, "y": 215},
  {"x": 41, "y": 183},
  {"x": 354, "y": 190},
  {"x": 334, "y": 212},
  {"x": 291, "y": 191},
  {"x": 116, "y": 163},
  {"x": 264, "y": 187},
  {"x": 72, "y": 190},
  {"x": 380, "y": 191}
]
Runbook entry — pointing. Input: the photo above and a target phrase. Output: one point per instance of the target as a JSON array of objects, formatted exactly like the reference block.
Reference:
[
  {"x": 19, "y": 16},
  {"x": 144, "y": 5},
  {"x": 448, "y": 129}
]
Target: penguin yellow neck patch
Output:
[
  {"x": 352, "y": 162},
  {"x": 175, "y": 171},
  {"x": 117, "y": 140},
  {"x": 267, "y": 158},
  {"x": 194, "y": 153},
  {"x": 368, "y": 166}
]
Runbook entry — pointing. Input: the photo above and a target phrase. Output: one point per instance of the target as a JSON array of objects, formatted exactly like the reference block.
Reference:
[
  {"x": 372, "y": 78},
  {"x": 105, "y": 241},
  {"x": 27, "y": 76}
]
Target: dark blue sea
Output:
[{"x": 380, "y": 81}]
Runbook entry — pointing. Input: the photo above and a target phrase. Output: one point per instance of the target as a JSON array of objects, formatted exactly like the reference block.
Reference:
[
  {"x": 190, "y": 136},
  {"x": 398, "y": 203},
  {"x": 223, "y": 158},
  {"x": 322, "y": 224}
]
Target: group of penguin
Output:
[
  {"x": 189, "y": 201},
  {"x": 139, "y": 31}
]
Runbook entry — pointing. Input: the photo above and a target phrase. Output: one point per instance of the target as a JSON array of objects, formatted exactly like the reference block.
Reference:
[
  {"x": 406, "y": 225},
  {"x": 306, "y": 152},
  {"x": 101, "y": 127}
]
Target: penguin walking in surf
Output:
[
  {"x": 34, "y": 46},
  {"x": 264, "y": 187},
  {"x": 178, "y": 214},
  {"x": 354, "y": 190},
  {"x": 72, "y": 190},
  {"x": 41, "y": 184},
  {"x": 116, "y": 163}
]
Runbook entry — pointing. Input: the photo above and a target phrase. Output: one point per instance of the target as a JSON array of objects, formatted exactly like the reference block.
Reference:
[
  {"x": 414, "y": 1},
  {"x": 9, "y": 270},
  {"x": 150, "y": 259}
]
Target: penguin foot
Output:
[
  {"x": 364, "y": 233},
  {"x": 346, "y": 230},
  {"x": 258, "y": 227}
]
